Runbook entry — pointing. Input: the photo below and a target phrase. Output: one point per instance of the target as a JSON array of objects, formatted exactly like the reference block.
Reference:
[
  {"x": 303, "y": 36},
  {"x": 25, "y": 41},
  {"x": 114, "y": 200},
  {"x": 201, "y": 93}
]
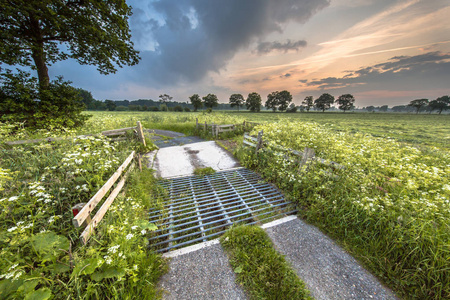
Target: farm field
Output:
[{"x": 389, "y": 207}]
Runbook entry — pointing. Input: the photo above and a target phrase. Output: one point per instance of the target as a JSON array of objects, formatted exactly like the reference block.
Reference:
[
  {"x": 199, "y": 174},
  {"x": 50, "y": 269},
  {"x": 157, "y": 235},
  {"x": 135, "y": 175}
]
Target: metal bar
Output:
[
  {"x": 205, "y": 203},
  {"x": 171, "y": 219},
  {"x": 207, "y": 199},
  {"x": 214, "y": 234},
  {"x": 215, "y": 216},
  {"x": 230, "y": 203},
  {"x": 222, "y": 208},
  {"x": 187, "y": 178},
  {"x": 254, "y": 187},
  {"x": 202, "y": 229},
  {"x": 214, "y": 222}
]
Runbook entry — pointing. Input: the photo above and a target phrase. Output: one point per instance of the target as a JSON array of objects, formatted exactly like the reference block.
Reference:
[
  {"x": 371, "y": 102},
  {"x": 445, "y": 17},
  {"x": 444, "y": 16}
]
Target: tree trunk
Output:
[
  {"x": 41, "y": 67},
  {"x": 38, "y": 54}
]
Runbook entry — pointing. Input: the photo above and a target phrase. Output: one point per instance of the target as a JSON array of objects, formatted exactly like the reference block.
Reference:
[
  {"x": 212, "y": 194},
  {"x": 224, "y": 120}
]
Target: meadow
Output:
[{"x": 389, "y": 207}]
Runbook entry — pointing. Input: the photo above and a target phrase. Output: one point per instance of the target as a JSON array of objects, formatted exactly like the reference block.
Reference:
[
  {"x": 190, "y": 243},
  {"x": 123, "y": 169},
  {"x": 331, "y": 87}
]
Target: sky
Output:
[{"x": 383, "y": 52}]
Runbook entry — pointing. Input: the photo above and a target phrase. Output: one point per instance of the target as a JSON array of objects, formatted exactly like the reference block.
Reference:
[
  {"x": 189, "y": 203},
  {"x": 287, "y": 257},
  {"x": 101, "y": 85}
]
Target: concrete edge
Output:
[
  {"x": 278, "y": 222},
  {"x": 203, "y": 245},
  {"x": 190, "y": 249}
]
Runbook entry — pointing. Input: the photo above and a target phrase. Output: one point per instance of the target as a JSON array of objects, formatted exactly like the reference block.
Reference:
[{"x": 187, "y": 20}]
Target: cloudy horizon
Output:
[{"x": 383, "y": 52}]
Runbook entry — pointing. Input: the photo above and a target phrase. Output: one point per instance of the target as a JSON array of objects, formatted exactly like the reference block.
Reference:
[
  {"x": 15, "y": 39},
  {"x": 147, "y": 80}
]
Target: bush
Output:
[
  {"x": 21, "y": 101},
  {"x": 153, "y": 108},
  {"x": 178, "y": 108}
]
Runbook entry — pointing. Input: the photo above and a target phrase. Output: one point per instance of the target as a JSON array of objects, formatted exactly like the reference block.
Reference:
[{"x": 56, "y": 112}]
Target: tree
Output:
[
  {"x": 278, "y": 100},
  {"x": 308, "y": 102},
  {"x": 418, "y": 104},
  {"x": 370, "y": 108},
  {"x": 196, "y": 101},
  {"x": 93, "y": 32},
  {"x": 236, "y": 100},
  {"x": 383, "y": 108},
  {"x": 440, "y": 104},
  {"x": 292, "y": 108},
  {"x": 210, "y": 101},
  {"x": 272, "y": 101},
  {"x": 284, "y": 98},
  {"x": 164, "y": 98},
  {"x": 346, "y": 102},
  {"x": 324, "y": 101},
  {"x": 253, "y": 102},
  {"x": 110, "y": 105}
]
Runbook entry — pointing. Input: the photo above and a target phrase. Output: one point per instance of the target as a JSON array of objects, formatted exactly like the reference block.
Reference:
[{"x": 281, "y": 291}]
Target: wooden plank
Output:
[
  {"x": 118, "y": 139},
  {"x": 115, "y": 133},
  {"x": 106, "y": 132},
  {"x": 89, "y": 207},
  {"x": 329, "y": 163},
  {"x": 249, "y": 143},
  {"x": 308, "y": 154},
  {"x": 140, "y": 132},
  {"x": 250, "y": 137},
  {"x": 259, "y": 141},
  {"x": 49, "y": 139},
  {"x": 101, "y": 212}
]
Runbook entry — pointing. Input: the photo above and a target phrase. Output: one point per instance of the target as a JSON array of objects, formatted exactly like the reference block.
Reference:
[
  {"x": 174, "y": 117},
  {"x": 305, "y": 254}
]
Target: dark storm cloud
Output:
[
  {"x": 194, "y": 37},
  {"x": 303, "y": 80},
  {"x": 399, "y": 72},
  {"x": 267, "y": 47}
]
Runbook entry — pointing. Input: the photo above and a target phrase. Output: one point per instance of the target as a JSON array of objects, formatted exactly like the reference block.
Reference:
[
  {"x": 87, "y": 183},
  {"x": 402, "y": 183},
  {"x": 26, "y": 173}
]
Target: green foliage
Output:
[
  {"x": 204, "y": 171},
  {"x": 389, "y": 205},
  {"x": 418, "y": 104},
  {"x": 35, "y": 29},
  {"x": 196, "y": 101},
  {"x": 440, "y": 104},
  {"x": 59, "y": 106},
  {"x": 262, "y": 271},
  {"x": 236, "y": 100},
  {"x": 278, "y": 100},
  {"x": 165, "y": 98},
  {"x": 210, "y": 101},
  {"x": 308, "y": 102},
  {"x": 253, "y": 102},
  {"x": 346, "y": 102},
  {"x": 324, "y": 101},
  {"x": 292, "y": 108}
]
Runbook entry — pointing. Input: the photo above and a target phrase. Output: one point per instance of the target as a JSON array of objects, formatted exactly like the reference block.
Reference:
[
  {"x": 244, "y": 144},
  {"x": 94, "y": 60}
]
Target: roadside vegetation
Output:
[
  {"x": 262, "y": 271},
  {"x": 41, "y": 256},
  {"x": 389, "y": 206}
]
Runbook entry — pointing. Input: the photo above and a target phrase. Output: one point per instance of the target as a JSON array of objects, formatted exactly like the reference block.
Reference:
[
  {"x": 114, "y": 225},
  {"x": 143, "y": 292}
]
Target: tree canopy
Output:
[
  {"x": 324, "y": 101},
  {"x": 253, "y": 102},
  {"x": 196, "y": 101},
  {"x": 278, "y": 100},
  {"x": 165, "y": 98},
  {"x": 346, "y": 102},
  {"x": 440, "y": 104},
  {"x": 236, "y": 100},
  {"x": 92, "y": 32},
  {"x": 308, "y": 102},
  {"x": 210, "y": 101},
  {"x": 418, "y": 104}
]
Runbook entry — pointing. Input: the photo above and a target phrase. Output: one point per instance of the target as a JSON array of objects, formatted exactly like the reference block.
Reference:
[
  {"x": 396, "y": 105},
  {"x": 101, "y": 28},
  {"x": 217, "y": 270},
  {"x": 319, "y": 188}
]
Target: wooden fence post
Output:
[
  {"x": 206, "y": 127},
  {"x": 308, "y": 154},
  {"x": 140, "y": 132},
  {"x": 259, "y": 141},
  {"x": 196, "y": 123}
]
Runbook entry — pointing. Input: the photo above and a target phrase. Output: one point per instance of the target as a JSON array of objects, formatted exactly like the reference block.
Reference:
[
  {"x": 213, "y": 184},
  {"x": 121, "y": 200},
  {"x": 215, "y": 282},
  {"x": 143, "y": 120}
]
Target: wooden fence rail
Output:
[
  {"x": 115, "y": 135},
  {"x": 216, "y": 129},
  {"x": 83, "y": 217},
  {"x": 306, "y": 156}
]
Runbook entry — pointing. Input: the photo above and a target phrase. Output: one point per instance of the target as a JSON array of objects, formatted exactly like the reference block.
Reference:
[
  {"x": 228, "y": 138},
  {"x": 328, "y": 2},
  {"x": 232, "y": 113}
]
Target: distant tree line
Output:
[{"x": 276, "y": 101}]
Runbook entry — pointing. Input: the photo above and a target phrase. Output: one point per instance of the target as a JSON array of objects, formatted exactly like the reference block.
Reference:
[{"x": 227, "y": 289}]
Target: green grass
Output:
[
  {"x": 204, "y": 171},
  {"x": 262, "y": 271}
]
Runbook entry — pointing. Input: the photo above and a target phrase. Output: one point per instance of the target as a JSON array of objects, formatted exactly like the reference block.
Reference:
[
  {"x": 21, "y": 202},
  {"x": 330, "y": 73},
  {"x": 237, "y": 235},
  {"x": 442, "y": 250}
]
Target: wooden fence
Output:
[
  {"x": 216, "y": 129},
  {"x": 82, "y": 218},
  {"x": 115, "y": 135},
  {"x": 306, "y": 156}
]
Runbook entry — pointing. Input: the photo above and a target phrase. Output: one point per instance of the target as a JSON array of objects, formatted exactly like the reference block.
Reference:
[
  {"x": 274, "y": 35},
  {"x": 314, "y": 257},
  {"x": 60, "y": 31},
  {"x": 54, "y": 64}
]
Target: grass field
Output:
[{"x": 389, "y": 207}]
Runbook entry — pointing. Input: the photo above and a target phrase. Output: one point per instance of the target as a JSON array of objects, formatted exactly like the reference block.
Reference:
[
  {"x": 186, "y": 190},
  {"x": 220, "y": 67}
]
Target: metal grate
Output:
[{"x": 199, "y": 208}]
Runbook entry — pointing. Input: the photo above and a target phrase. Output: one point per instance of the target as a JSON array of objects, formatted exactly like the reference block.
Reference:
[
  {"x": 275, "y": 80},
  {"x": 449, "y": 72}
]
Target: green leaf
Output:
[
  {"x": 58, "y": 268},
  {"x": 238, "y": 270},
  {"x": 28, "y": 286},
  {"x": 40, "y": 294},
  {"x": 108, "y": 272},
  {"x": 49, "y": 244},
  {"x": 7, "y": 286},
  {"x": 87, "y": 266},
  {"x": 144, "y": 224}
]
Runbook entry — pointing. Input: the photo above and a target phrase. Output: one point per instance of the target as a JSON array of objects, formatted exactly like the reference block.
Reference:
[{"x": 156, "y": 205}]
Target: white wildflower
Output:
[{"x": 129, "y": 236}]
